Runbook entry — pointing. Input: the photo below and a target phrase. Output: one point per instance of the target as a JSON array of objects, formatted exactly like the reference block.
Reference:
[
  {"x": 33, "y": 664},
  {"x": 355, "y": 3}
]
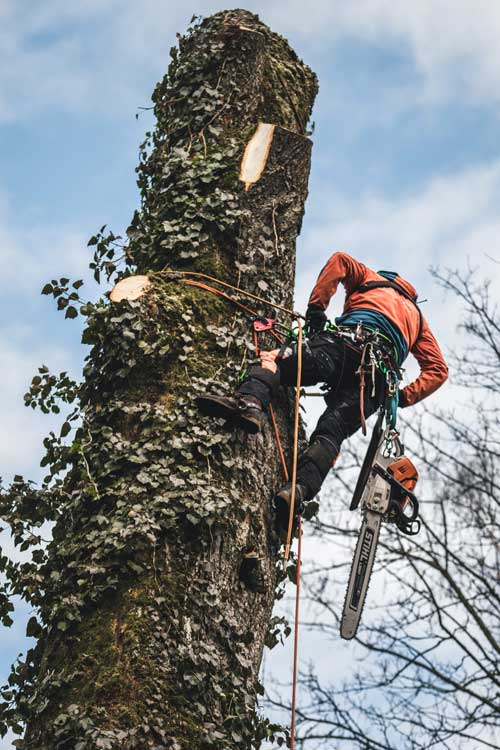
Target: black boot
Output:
[
  {"x": 282, "y": 501},
  {"x": 241, "y": 410}
]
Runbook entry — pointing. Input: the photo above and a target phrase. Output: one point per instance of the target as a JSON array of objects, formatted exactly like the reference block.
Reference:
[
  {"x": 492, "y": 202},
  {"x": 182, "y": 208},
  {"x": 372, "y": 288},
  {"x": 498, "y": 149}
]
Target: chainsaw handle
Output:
[
  {"x": 408, "y": 493},
  {"x": 414, "y": 505}
]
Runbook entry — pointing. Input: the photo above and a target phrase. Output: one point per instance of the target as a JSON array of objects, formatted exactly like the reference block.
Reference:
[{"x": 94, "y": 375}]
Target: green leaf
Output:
[
  {"x": 47, "y": 289},
  {"x": 87, "y": 337},
  {"x": 71, "y": 312},
  {"x": 65, "y": 429},
  {"x": 33, "y": 627}
]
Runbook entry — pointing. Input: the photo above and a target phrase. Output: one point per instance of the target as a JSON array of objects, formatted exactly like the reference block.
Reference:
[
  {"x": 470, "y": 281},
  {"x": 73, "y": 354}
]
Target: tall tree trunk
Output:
[{"x": 150, "y": 639}]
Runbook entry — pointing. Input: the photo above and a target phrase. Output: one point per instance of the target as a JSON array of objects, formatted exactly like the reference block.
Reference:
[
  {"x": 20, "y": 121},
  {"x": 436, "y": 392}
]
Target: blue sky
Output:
[{"x": 405, "y": 174}]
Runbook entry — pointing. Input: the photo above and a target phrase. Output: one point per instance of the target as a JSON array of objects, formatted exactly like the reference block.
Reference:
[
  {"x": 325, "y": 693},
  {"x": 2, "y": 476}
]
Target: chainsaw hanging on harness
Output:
[{"x": 384, "y": 491}]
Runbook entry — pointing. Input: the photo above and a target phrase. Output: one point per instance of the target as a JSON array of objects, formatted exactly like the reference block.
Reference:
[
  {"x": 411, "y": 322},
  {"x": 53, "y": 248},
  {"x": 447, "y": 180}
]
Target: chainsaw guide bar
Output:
[{"x": 382, "y": 497}]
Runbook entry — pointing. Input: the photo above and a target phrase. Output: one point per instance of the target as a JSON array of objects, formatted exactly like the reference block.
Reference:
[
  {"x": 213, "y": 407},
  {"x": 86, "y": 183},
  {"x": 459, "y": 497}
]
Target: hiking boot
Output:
[
  {"x": 282, "y": 506},
  {"x": 241, "y": 410}
]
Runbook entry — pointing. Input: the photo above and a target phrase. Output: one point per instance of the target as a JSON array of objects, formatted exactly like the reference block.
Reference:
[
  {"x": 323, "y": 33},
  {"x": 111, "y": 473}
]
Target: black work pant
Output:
[{"x": 325, "y": 359}]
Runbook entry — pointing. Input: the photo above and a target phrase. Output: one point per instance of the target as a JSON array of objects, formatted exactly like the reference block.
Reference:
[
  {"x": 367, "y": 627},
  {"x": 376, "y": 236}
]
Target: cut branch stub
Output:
[
  {"x": 256, "y": 153},
  {"x": 130, "y": 288}
]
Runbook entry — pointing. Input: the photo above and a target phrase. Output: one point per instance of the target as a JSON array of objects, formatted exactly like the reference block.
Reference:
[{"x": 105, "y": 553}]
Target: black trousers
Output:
[{"x": 329, "y": 359}]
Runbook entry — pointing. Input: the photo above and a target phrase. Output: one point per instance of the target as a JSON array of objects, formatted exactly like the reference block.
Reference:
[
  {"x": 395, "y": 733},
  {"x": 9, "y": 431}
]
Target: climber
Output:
[{"x": 380, "y": 311}]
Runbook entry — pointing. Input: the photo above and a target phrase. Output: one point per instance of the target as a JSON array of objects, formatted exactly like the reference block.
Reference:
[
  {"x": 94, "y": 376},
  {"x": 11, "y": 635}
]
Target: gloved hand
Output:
[{"x": 315, "y": 319}]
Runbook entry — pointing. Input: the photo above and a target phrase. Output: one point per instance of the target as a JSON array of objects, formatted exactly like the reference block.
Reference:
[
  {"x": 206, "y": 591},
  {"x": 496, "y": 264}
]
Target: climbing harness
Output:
[
  {"x": 377, "y": 356},
  {"x": 385, "y": 492}
]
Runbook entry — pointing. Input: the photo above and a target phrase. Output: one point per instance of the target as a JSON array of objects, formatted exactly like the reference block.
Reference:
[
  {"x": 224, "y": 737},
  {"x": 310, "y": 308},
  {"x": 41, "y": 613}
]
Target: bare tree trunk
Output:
[{"x": 149, "y": 638}]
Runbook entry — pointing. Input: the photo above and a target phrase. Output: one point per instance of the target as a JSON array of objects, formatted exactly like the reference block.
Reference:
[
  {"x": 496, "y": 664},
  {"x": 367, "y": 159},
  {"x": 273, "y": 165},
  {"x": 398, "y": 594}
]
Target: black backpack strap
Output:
[{"x": 393, "y": 285}]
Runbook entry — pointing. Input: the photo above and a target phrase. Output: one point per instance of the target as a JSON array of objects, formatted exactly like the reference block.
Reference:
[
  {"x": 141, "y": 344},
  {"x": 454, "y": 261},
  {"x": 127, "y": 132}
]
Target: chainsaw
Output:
[{"x": 384, "y": 492}]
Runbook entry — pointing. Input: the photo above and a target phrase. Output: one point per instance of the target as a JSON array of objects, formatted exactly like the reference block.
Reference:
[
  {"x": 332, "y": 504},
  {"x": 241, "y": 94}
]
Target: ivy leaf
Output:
[{"x": 33, "y": 627}]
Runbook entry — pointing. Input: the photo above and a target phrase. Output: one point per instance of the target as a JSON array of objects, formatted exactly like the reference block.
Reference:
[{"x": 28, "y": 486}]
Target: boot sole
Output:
[
  {"x": 211, "y": 408},
  {"x": 282, "y": 510},
  {"x": 248, "y": 425}
]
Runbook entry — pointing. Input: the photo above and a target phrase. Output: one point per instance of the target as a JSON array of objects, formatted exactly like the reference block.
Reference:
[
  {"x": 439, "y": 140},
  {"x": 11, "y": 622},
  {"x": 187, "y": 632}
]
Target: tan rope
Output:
[
  {"x": 234, "y": 288},
  {"x": 296, "y": 637},
  {"x": 295, "y": 440}
]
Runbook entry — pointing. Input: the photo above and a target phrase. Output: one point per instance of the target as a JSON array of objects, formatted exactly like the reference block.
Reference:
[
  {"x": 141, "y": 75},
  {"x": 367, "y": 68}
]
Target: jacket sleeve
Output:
[
  {"x": 433, "y": 369},
  {"x": 340, "y": 267}
]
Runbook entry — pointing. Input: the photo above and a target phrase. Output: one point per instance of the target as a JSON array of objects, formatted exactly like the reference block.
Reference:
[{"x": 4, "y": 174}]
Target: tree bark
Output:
[{"x": 150, "y": 639}]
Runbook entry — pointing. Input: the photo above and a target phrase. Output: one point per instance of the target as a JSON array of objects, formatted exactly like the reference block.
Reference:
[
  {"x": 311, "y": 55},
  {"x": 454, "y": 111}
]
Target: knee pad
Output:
[
  {"x": 321, "y": 454},
  {"x": 332, "y": 427}
]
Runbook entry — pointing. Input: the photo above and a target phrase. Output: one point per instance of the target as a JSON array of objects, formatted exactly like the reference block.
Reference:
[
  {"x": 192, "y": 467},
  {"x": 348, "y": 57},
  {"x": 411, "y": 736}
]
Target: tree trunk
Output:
[{"x": 150, "y": 639}]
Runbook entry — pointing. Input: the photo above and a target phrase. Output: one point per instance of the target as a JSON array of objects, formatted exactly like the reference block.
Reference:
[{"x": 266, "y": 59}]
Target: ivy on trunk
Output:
[{"x": 146, "y": 637}]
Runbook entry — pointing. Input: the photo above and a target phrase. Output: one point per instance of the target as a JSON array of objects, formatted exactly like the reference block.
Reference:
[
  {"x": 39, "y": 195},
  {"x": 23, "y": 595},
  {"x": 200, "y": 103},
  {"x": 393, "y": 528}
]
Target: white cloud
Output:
[
  {"x": 453, "y": 218},
  {"x": 29, "y": 336},
  {"x": 453, "y": 43},
  {"x": 22, "y": 430},
  {"x": 100, "y": 55},
  {"x": 31, "y": 255}
]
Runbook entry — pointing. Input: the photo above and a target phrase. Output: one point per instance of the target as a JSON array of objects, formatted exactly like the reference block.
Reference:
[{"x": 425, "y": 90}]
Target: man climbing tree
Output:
[{"x": 380, "y": 325}]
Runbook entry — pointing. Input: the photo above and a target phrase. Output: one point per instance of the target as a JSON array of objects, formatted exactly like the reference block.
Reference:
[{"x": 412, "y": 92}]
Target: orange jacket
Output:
[{"x": 400, "y": 311}]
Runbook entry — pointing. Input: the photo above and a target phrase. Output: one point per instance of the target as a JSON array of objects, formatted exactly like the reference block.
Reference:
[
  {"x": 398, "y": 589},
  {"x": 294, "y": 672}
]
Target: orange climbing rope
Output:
[
  {"x": 212, "y": 289},
  {"x": 297, "y": 317}
]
